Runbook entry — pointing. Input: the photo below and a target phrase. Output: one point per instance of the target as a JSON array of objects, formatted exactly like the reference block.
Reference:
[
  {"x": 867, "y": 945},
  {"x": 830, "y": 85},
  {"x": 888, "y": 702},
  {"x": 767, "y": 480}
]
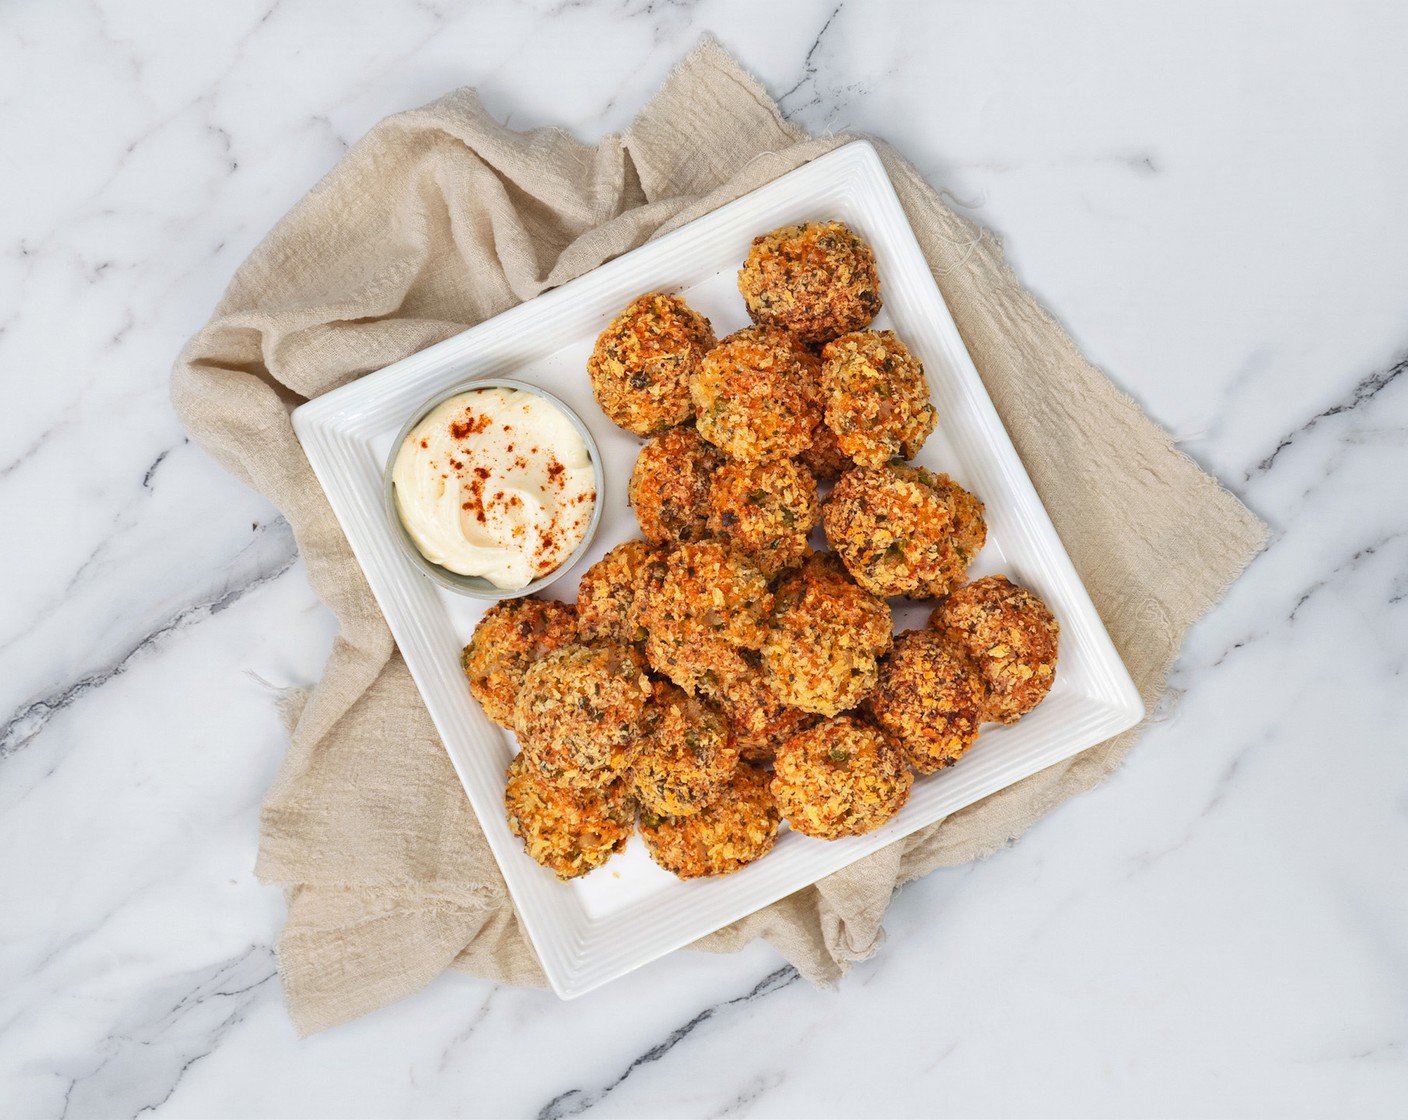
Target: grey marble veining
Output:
[{"x": 1209, "y": 198}]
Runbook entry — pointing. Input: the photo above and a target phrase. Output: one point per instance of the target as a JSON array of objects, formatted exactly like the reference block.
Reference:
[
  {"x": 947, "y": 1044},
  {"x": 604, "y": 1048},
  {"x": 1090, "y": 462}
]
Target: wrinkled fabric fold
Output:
[{"x": 440, "y": 218}]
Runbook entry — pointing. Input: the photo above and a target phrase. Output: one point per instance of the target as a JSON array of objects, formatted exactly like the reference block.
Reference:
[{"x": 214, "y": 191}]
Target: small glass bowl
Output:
[{"x": 477, "y": 586}]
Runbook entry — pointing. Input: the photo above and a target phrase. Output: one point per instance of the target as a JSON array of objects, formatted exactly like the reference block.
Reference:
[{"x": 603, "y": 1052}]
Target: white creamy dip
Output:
[{"x": 495, "y": 483}]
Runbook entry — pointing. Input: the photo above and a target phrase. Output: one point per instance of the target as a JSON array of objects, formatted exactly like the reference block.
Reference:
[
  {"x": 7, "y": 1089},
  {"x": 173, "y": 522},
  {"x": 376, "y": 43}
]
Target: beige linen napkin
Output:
[{"x": 440, "y": 218}]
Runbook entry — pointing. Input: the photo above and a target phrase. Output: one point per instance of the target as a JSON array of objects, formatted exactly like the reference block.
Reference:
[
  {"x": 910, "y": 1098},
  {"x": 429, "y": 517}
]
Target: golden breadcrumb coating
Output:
[
  {"x": 825, "y": 639},
  {"x": 686, "y": 756},
  {"x": 737, "y": 827},
  {"x": 710, "y": 606},
  {"x": 904, "y": 530},
  {"x": 607, "y": 593},
  {"x": 648, "y": 582},
  {"x": 509, "y": 638},
  {"x": 669, "y": 487},
  {"x": 970, "y": 530},
  {"x": 876, "y": 397},
  {"x": 765, "y": 510},
  {"x": 1011, "y": 634},
  {"x": 817, "y": 280},
  {"x": 759, "y": 718},
  {"x": 569, "y": 831},
  {"x": 930, "y": 699},
  {"x": 642, "y": 363},
  {"x": 579, "y": 712},
  {"x": 824, "y": 457},
  {"x": 751, "y": 399},
  {"x": 840, "y": 778}
]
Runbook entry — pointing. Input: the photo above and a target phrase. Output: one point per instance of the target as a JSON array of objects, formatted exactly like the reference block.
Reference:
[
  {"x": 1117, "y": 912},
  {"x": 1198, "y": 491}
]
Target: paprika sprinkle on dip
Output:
[{"x": 495, "y": 482}]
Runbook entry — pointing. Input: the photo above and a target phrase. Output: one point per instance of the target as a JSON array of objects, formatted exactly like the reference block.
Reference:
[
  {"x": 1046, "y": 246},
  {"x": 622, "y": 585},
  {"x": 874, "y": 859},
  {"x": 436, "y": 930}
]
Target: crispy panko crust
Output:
[
  {"x": 904, "y": 530},
  {"x": 642, "y": 363},
  {"x": 824, "y": 457},
  {"x": 840, "y": 778},
  {"x": 509, "y": 638},
  {"x": 736, "y": 828},
  {"x": 825, "y": 638},
  {"x": 708, "y": 608},
  {"x": 569, "y": 831},
  {"x": 607, "y": 593},
  {"x": 816, "y": 280},
  {"x": 579, "y": 712},
  {"x": 930, "y": 699},
  {"x": 970, "y": 530},
  {"x": 751, "y": 398},
  {"x": 669, "y": 487},
  {"x": 686, "y": 756},
  {"x": 760, "y": 720},
  {"x": 876, "y": 398},
  {"x": 651, "y": 577},
  {"x": 1011, "y": 634},
  {"x": 765, "y": 510}
]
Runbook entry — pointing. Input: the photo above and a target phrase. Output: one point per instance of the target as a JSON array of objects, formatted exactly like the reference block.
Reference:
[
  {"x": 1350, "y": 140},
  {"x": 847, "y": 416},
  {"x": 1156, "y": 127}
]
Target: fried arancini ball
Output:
[
  {"x": 710, "y": 606},
  {"x": 876, "y": 398},
  {"x": 509, "y": 638},
  {"x": 904, "y": 530},
  {"x": 840, "y": 778},
  {"x": 579, "y": 712},
  {"x": 607, "y": 593},
  {"x": 750, "y": 398},
  {"x": 758, "y": 717},
  {"x": 686, "y": 756},
  {"x": 1011, "y": 634},
  {"x": 669, "y": 487},
  {"x": 642, "y": 363},
  {"x": 825, "y": 639},
  {"x": 817, "y": 280},
  {"x": 930, "y": 698},
  {"x": 766, "y": 510},
  {"x": 737, "y": 827},
  {"x": 569, "y": 831}
]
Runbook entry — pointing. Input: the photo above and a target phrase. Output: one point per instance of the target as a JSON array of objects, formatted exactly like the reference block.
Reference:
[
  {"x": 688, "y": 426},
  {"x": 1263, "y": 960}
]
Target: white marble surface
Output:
[{"x": 1209, "y": 196}]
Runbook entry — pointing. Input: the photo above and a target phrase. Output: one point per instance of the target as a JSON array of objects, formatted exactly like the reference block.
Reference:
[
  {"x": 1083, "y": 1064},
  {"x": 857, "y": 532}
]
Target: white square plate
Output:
[{"x": 630, "y": 912}]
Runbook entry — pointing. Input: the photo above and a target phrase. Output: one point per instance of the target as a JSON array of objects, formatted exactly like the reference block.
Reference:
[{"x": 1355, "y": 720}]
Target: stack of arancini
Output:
[{"x": 720, "y": 675}]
